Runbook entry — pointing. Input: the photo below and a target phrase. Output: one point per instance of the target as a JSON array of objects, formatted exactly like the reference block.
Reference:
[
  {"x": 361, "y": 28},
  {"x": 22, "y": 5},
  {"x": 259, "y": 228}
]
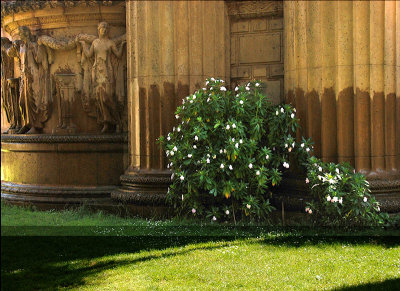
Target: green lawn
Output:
[{"x": 212, "y": 258}]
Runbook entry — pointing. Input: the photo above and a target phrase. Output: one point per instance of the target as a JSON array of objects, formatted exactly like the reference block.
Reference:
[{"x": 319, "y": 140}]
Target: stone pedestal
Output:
[
  {"x": 174, "y": 47},
  {"x": 55, "y": 171},
  {"x": 342, "y": 74}
]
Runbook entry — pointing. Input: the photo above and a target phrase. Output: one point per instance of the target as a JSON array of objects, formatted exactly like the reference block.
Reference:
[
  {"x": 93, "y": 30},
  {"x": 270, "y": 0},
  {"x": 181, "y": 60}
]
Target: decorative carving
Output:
[
  {"x": 47, "y": 138},
  {"x": 65, "y": 94},
  {"x": 8, "y": 7},
  {"x": 35, "y": 91},
  {"x": 250, "y": 9},
  {"x": 104, "y": 84},
  {"x": 9, "y": 88}
]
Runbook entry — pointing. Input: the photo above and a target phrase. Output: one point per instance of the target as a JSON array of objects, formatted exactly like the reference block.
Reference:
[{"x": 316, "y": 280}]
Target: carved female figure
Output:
[
  {"x": 35, "y": 91},
  {"x": 102, "y": 78}
]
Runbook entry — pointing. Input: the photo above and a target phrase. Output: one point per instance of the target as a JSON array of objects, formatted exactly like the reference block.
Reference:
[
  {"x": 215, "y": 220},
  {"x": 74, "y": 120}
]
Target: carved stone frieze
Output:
[
  {"x": 251, "y": 9},
  {"x": 9, "y": 7}
]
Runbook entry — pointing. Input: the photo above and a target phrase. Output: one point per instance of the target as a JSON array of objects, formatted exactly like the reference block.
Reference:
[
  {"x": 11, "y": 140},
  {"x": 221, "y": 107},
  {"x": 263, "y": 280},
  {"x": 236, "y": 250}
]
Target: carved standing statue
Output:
[
  {"x": 103, "y": 81},
  {"x": 35, "y": 91},
  {"x": 9, "y": 98}
]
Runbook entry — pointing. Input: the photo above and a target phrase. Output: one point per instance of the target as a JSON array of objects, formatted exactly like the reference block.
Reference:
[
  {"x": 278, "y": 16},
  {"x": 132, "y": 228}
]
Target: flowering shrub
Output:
[
  {"x": 341, "y": 196},
  {"x": 228, "y": 151},
  {"x": 231, "y": 149}
]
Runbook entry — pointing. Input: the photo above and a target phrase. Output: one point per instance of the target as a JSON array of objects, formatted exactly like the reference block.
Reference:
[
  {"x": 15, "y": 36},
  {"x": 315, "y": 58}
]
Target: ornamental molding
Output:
[
  {"x": 47, "y": 138},
  {"x": 252, "y": 9}
]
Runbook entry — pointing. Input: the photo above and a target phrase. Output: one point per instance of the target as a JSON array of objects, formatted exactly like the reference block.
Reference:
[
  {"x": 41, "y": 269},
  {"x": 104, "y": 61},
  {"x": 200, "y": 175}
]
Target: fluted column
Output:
[
  {"x": 342, "y": 73},
  {"x": 172, "y": 47}
]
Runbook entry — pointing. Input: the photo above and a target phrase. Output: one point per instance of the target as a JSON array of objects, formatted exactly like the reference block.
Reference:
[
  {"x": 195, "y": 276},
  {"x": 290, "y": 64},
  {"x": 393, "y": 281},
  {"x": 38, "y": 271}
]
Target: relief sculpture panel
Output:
[{"x": 97, "y": 78}]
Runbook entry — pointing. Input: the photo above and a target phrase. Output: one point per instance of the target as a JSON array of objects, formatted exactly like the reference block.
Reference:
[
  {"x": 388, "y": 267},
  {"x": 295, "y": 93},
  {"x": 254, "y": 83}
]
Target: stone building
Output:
[{"x": 88, "y": 86}]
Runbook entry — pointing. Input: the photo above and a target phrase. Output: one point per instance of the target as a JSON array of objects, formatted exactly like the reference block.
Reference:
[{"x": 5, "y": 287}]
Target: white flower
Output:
[
  {"x": 177, "y": 116},
  {"x": 293, "y": 144},
  {"x": 320, "y": 169},
  {"x": 224, "y": 151},
  {"x": 277, "y": 112},
  {"x": 286, "y": 165},
  {"x": 236, "y": 145},
  {"x": 248, "y": 84},
  {"x": 214, "y": 218},
  {"x": 191, "y": 101},
  {"x": 286, "y": 145},
  {"x": 194, "y": 97},
  {"x": 257, "y": 84},
  {"x": 294, "y": 109},
  {"x": 211, "y": 88},
  {"x": 230, "y": 167},
  {"x": 223, "y": 88},
  {"x": 228, "y": 127},
  {"x": 236, "y": 88},
  {"x": 378, "y": 208},
  {"x": 222, "y": 166},
  {"x": 240, "y": 141},
  {"x": 233, "y": 125},
  {"x": 182, "y": 196},
  {"x": 220, "y": 151},
  {"x": 365, "y": 199},
  {"x": 214, "y": 157},
  {"x": 335, "y": 199},
  {"x": 337, "y": 170},
  {"x": 307, "y": 181},
  {"x": 178, "y": 129},
  {"x": 248, "y": 206},
  {"x": 328, "y": 198},
  {"x": 175, "y": 149},
  {"x": 212, "y": 79},
  {"x": 258, "y": 173},
  {"x": 250, "y": 165},
  {"x": 182, "y": 178},
  {"x": 341, "y": 200},
  {"x": 168, "y": 138},
  {"x": 282, "y": 110},
  {"x": 172, "y": 153},
  {"x": 173, "y": 129},
  {"x": 237, "y": 95},
  {"x": 307, "y": 149},
  {"x": 208, "y": 99},
  {"x": 193, "y": 210},
  {"x": 233, "y": 139},
  {"x": 292, "y": 115},
  {"x": 207, "y": 82},
  {"x": 204, "y": 89},
  {"x": 310, "y": 211},
  {"x": 267, "y": 157},
  {"x": 189, "y": 155},
  {"x": 208, "y": 160},
  {"x": 196, "y": 138},
  {"x": 194, "y": 146},
  {"x": 247, "y": 88},
  {"x": 241, "y": 102},
  {"x": 227, "y": 212},
  {"x": 302, "y": 145}
]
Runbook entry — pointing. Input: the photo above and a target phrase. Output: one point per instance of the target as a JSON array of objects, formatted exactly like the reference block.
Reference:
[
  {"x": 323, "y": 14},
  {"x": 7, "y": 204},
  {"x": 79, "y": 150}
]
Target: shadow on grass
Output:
[
  {"x": 56, "y": 262},
  {"x": 391, "y": 284},
  {"x": 50, "y": 262}
]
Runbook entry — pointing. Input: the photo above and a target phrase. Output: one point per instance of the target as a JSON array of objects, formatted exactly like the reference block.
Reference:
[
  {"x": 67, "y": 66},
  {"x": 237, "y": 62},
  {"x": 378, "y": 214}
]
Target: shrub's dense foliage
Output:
[{"x": 231, "y": 149}]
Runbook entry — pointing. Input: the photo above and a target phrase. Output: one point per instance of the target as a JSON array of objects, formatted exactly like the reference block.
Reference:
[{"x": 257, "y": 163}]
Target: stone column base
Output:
[{"x": 144, "y": 192}]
